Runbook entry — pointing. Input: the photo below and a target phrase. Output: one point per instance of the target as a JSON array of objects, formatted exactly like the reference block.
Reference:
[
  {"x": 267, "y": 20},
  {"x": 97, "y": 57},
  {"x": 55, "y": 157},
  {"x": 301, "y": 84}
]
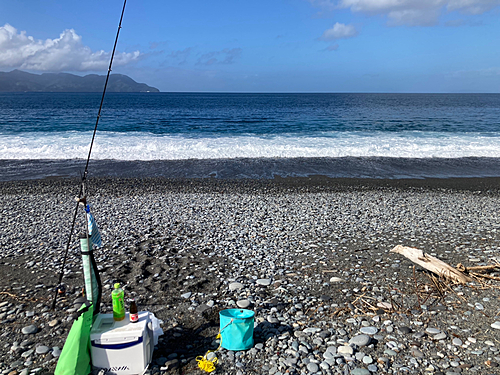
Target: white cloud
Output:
[
  {"x": 66, "y": 53},
  {"x": 339, "y": 31},
  {"x": 409, "y": 12}
]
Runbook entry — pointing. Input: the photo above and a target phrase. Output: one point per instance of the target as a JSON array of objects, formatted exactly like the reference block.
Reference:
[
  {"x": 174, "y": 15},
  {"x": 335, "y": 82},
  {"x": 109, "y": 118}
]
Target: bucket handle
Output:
[{"x": 223, "y": 328}]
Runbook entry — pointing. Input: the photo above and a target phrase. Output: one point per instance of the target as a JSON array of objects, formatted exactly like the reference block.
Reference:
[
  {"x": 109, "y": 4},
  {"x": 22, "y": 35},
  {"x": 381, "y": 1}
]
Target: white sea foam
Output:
[{"x": 141, "y": 146}]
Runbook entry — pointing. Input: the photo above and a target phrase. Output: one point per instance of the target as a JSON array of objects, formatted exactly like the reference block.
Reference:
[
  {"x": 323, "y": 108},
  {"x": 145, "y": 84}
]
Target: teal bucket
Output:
[{"x": 236, "y": 329}]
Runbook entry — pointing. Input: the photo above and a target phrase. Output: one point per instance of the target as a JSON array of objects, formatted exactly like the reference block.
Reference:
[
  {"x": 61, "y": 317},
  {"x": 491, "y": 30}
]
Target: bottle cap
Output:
[{"x": 117, "y": 285}]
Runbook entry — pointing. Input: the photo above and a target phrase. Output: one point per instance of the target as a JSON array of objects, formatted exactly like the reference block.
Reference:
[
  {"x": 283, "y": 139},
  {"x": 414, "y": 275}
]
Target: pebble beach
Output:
[{"x": 310, "y": 256}]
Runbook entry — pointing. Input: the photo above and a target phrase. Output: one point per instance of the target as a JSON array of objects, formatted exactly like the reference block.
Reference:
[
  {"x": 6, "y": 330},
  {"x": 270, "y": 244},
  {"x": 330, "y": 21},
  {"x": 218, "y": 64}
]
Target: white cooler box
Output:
[{"x": 121, "y": 348}]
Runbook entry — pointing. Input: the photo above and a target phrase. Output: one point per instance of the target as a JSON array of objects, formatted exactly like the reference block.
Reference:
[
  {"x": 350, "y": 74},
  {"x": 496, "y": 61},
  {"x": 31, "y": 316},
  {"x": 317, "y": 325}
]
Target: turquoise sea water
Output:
[{"x": 251, "y": 135}]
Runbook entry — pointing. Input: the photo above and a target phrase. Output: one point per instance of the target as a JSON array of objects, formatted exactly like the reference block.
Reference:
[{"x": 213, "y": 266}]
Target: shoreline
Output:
[
  {"x": 397, "y": 168},
  {"x": 311, "y": 184}
]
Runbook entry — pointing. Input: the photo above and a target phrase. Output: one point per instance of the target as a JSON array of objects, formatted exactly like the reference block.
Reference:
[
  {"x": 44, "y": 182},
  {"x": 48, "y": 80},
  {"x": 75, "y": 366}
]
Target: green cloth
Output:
[{"x": 75, "y": 356}]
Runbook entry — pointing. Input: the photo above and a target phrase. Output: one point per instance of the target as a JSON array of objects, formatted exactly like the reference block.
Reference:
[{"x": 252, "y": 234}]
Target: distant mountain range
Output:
[{"x": 19, "y": 81}]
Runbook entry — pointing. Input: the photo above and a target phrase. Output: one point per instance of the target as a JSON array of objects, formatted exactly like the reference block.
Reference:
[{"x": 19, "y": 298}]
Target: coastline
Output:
[
  {"x": 313, "y": 183},
  {"x": 284, "y": 241},
  {"x": 268, "y": 168}
]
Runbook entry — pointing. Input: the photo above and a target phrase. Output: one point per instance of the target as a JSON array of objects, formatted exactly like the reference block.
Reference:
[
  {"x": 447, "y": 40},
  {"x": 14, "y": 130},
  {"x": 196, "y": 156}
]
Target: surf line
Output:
[{"x": 81, "y": 195}]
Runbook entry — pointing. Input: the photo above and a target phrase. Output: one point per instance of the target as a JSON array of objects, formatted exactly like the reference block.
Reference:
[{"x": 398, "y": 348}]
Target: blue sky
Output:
[{"x": 263, "y": 46}]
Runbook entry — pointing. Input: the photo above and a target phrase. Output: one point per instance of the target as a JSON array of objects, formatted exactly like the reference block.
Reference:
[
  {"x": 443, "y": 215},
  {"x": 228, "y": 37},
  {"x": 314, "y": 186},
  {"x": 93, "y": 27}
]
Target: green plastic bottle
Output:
[{"x": 117, "y": 296}]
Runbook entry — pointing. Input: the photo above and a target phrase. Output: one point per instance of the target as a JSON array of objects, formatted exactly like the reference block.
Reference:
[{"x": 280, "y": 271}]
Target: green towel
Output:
[{"x": 75, "y": 356}]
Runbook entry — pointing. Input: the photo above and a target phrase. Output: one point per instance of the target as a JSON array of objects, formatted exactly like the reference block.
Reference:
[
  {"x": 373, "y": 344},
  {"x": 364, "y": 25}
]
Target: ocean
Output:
[{"x": 218, "y": 135}]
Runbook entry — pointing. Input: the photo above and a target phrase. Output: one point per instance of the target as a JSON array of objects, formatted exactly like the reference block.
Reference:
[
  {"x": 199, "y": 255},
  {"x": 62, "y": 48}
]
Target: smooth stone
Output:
[
  {"x": 211, "y": 356},
  {"x": 359, "y": 356},
  {"x": 244, "y": 303},
  {"x": 360, "y": 371},
  {"x": 440, "y": 336},
  {"x": 336, "y": 280},
  {"x": 27, "y": 353},
  {"x": 433, "y": 331},
  {"x": 331, "y": 349},
  {"x": 368, "y": 330},
  {"x": 186, "y": 295},
  {"x": 345, "y": 349},
  {"x": 405, "y": 330},
  {"x": 456, "y": 341},
  {"x": 328, "y": 355},
  {"x": 264, "y": 282},
  {"x": 53, "y": 323},
  {"x": 56, "y": 352},
  {"x": 390, "y": 352},
  {"x": 495, "y": 325},
  {"x": 42, "y": 349},
  {"x": 235, "y": 286},
  {"x": 312, "y": 367},
  {"x": 29, "y": 329},
  {"x": 367, "y": 360},
  {"x": 360, "y": 340}
]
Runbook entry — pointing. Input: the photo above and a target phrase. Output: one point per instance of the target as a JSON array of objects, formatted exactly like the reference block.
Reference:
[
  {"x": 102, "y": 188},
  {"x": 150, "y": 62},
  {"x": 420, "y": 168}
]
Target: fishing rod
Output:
[{"x": 81, "y": 195}]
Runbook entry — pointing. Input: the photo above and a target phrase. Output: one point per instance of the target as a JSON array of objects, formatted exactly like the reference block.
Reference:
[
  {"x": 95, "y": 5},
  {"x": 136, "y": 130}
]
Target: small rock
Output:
[
  {"x": 369, "y": 330},
  {"x": 29, "y": 329},
  {"x": 42, "y": 349},
  {"x": 495, "y": 325},
  {"x": 312, "y": 367},
  {"x": 433, "y": 331},
  {"x": 264, "y": 282},
  {"x": 345, "y": 349},
  {"x": 336, "y": 280},
  {"x": 235, "y": 286},
  {"x": 360, "y": 340},
  {"x": 244, "y": 303}
]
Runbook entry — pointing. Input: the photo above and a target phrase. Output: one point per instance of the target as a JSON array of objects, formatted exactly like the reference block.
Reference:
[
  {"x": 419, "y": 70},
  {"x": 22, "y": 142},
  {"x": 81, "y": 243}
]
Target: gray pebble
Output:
[
  {"x": 360, "y": 340},
  {"x": 369, "y": 330},
  {"x": 29, "y": 330},
  {"x": 244, "y": 303},
  {"x": 312, "y": 367},
  {"x": 235, "y": 286},
  {"x": 42, "y": 349}
]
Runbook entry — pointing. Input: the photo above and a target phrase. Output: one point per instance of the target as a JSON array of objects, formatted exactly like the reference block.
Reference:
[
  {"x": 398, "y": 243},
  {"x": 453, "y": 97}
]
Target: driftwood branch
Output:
[
  {"x": 490, "y": 267},
  {"x": 432, "y": 264}
]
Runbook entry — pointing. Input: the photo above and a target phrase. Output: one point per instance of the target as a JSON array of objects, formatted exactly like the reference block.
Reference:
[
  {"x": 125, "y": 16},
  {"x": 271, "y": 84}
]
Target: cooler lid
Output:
[{"x": 106, "y": 329}]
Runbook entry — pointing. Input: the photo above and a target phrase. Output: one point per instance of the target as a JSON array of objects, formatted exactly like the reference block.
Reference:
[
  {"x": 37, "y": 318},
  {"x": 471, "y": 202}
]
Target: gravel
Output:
[{"x": 310, "y": 257}]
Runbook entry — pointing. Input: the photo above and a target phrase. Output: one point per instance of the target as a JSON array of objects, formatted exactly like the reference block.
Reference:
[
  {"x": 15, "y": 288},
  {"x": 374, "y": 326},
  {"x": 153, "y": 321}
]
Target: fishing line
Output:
[{"x": 81, "y": 194}]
